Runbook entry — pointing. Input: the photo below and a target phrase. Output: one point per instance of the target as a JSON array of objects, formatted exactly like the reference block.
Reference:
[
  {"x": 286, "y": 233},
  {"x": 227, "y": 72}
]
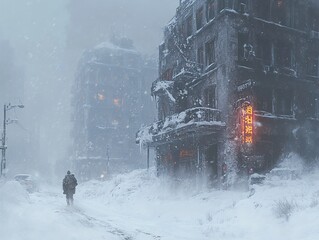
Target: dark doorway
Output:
[{"x": 211, "y": 162}]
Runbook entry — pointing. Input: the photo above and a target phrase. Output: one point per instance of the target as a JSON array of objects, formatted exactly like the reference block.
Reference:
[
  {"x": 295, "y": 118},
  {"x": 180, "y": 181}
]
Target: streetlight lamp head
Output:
[{"x": 20, "y": 106}]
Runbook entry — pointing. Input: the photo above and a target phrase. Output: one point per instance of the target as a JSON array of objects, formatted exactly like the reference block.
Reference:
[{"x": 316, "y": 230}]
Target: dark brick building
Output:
[{"x": 238, "y": 86}]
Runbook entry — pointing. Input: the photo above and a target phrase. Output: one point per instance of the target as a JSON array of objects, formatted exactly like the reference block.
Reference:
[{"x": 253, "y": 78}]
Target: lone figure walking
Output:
[{"x": 69, "y": 184}]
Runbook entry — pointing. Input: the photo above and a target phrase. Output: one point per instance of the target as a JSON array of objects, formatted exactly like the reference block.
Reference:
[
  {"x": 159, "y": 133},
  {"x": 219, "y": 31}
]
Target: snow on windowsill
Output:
[{"x": 270, "y": 115}]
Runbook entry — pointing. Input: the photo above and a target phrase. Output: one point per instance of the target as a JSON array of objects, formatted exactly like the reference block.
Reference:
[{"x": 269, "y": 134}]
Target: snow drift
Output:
[{"x": 139, "y": 205}]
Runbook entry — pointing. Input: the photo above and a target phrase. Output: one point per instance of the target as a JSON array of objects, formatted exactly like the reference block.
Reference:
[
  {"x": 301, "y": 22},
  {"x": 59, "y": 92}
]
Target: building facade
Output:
[
  {"x": 238, "y": 86},
  {"x": 110, "y": 101}
]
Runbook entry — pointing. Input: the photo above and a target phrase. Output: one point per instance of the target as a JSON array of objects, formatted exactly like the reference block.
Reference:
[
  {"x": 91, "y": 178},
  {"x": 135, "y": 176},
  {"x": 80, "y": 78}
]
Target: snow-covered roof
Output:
[
  {"x": 113, "y": 47},
  {"x": 108, "y": 53}
]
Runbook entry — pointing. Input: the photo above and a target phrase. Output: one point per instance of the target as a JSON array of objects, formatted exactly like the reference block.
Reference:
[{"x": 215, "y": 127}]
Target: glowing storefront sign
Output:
[{"x": 247, "y": 124}]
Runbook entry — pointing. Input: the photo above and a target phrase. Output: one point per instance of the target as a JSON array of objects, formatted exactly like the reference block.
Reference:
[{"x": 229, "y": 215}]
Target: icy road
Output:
[
  {"x": 45, "y": 214},
  {"x": 140, "y": 206},
  {"x": 88, "y": 219}
]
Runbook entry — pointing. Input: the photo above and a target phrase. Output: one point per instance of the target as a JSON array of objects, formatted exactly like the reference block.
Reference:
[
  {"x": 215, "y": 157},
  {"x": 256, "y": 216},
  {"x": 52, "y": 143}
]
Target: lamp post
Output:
[
  {"x": 108, "y": 159},
  {"x": 4, "y": 146}
]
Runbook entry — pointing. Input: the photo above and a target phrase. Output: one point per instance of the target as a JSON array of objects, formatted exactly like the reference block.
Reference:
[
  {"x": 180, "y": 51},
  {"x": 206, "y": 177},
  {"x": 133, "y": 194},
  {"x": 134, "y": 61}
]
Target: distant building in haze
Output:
[{"x": 110, "y": 101}]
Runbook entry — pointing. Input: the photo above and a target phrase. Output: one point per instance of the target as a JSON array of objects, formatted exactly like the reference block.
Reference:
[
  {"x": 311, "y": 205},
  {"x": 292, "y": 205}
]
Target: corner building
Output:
[{"x": 238, "y": 86}]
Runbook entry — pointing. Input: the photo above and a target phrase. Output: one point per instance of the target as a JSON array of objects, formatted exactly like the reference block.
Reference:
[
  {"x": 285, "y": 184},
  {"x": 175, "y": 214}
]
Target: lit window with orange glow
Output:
[
  {"x": 100, "y": 97},
  {"x": 185, "y": 153},
  {"x": 117, "y": 102},
  {"x": 247, "y": 124}
]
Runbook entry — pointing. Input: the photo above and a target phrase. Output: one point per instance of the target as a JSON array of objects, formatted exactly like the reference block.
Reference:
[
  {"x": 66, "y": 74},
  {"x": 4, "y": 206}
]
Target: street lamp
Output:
[{"x": 6, "y": 108}]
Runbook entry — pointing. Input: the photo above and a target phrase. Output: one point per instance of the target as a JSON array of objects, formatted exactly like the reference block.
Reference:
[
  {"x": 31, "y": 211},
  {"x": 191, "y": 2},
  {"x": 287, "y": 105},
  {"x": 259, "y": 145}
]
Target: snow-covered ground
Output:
[{"x": 140, "y": 206}]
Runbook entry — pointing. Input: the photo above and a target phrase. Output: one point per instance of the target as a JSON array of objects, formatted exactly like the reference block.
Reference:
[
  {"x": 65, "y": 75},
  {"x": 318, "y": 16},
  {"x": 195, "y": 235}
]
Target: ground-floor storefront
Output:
[
  {"x": 190, "y": 157},
  {"x": 219, "y": 152}
]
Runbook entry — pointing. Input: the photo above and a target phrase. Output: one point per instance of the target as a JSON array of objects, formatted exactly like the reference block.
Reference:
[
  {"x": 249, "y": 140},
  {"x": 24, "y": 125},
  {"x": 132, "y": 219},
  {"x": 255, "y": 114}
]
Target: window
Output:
[
  {"x": 314, "y": 19},
  {"x": 312, "y": 65},
  {"x": 167, "y": 75},
  {"x": 310, "y": 105},
  {"x": 241, "y": 5},
  {"x": 307, "y": 105},
  {"x": 264, "y": 100},
  {"x": 199, "y": 18},
  {"x": 200, "y": 55},
  {"x": 263, "y": 9},
  {"x": 279, "y": 13},
  {"x": 117, "y": 102},
  {"x": 181, "y": 102},
  {"x": 209, "y": 52},
  {"x": 101, "y": 96},
  {"x": 189, "y": 26},
  {"x": 263, "y": 50},
  {"x": 210, "y": 8},
  {"x": 280, "y": 3},
  {"x": 221, "y": 5},
  {"x": 300, "y": 15},
  {"x": 317, "y": 106},
  {"x": 283, "y": 102},
  {"x": 283, "y": 54},
  {"x": 210, "y": 97},
  {"x": 242, "y": 41},
  {"x": 315, "y": 24}
]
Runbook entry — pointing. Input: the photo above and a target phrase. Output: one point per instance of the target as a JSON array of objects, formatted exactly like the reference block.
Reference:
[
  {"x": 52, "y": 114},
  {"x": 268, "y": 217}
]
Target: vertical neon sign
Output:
[{"x": 247, "y": 124}]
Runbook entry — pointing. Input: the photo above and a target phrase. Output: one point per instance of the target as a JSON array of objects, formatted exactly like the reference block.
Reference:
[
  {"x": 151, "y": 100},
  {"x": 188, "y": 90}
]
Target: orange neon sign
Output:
[{"x": 247, "y": 124}]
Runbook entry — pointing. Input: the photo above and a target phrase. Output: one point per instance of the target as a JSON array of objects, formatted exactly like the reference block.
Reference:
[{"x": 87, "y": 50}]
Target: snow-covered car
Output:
[
  {"x": 283, "y": 174},
  {"x": 256, "y": 179},
  {"x": 27, "y": 181}
]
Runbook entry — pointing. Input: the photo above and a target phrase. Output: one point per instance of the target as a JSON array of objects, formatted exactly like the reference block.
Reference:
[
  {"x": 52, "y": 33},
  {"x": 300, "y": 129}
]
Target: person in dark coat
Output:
[{"x": 69, "y": 184}]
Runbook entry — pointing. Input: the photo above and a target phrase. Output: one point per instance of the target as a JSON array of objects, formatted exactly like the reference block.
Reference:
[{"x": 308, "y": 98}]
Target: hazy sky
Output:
[
  {"x": 48, "y": 37},
  {"x": 141, "y": 20}
]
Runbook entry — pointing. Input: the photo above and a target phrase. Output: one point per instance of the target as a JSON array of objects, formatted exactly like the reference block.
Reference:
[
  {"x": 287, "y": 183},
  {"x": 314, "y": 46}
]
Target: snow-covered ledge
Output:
[{"x": 199, "y": 116}]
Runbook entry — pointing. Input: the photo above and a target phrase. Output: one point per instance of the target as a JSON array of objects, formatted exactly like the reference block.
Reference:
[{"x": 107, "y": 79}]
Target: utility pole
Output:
[
  {"x": 108, "y": 159},
  {"x": 148, "y": 157},
  {"x": 4, "y": 133},
  {"x": 4, "y": 147}
]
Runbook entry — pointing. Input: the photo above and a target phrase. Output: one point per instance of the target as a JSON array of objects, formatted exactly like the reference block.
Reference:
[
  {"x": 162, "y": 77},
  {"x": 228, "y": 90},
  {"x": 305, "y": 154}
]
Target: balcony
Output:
[
  {"x": 182, "y": 74},
  {"x": 187, "y": 71},
  {"x": 198, "y": 121}
]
